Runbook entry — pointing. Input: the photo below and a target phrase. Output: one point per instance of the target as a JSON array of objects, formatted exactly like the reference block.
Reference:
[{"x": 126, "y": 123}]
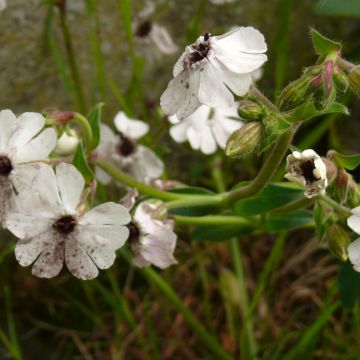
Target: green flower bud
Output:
[
  {"x": 338, "y": 241},
  {"x": 244, "y": 140},
  {"x": 354, "y": 80},
  {"x": 250, "y": 110},
  {"x": 341, "y": 81}
]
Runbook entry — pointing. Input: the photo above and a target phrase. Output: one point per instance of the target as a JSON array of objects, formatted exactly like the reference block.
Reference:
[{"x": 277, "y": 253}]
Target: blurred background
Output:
[{"x": 299, "y": 307}]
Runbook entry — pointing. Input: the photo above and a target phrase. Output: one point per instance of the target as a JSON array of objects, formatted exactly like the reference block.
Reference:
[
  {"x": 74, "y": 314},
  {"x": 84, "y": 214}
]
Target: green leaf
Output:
[
  {"x": 94, "y": 118},
  {"x": 338, "y": 7},
  {"x": 319, "y": 219},
  {"x": 272, "y": 197},
  {"x": 289, "y": 221},
  {"x": 349, "y": 285},
  {"x": 80, "y": 162},
  {"x": 308, "y": 111},
  {"x": 349, "y": 162},
  {"x": 323, "y": 45},
  {"x": 219, "y": 232}
]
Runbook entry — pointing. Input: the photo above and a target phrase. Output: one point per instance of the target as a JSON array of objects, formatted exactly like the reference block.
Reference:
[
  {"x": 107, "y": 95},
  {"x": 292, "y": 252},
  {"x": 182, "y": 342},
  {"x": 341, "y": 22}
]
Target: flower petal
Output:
[
  {"x": 27, "y": 250},
  {"x": 7, "y": 125},
  {"x": 354, "y": 252},
  {"x": 78, "y": 262},
  {"x": 162, "y": 39},
  {"x": 146, "y": 164},
  {"x": 212, "y": 90},
  {"x": 27, "y": 126},
  {"x": 51, "y": 260},
  {"x": 178, "y": 131},
  {"x": 38, "y": 148},
  {"x": 181, "y": 95},
  {"x": 71, "y": 184},
  {"x": 354, "y": 223},
  {"x": 131, "y": 128},
  {"x": 106, "y": 214}
]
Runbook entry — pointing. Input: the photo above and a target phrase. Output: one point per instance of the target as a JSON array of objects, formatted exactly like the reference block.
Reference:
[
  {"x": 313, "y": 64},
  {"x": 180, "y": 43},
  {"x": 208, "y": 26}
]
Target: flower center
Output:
[
  {"x": 200, "y": 51},
  {"x": 143, "y": 29},
  {"x": 65, "y": 225},
  {"x": 5, "y": 165},
  {"x": 134, "y": 233},
  {"x": 307, "y": 168},
  {"x": 126, "y": 147}
]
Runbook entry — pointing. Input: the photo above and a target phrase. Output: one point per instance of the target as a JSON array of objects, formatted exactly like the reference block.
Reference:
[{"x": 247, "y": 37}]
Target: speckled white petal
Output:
[
  {"x": 27, "y": 126},
  {"x": 71, "y": 184},
  {"x": 26, "y": 225},
  {"x": 212, "y": 90},
  {"x": 239, "y": 84},
  {"x": 50, "y": 262},
  {"x": 38, "y": 148},
  {"x": 132, "y": 128},
  {"x": 7, "y": 125},
  {"x": 179, "y": 65},
  {"x": 78, "y": 262},
  {"x": 181, "y": 95},
  {"x": 354, "y": 223},
  {"x": 108, "y": 213},
  {"x": 354, "y": 252},
  {"x": 27, "y": 250}
]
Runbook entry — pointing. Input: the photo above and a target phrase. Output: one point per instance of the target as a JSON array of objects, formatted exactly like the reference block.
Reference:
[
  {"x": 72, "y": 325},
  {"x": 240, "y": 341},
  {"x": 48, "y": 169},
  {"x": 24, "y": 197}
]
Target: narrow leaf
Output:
[
  {"x": 94, "y": 118},
  {"x": 80, "y": 162}
]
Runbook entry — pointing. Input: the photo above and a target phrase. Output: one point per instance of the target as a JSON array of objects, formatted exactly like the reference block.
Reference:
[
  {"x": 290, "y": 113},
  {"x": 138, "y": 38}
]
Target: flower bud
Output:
[
  {"x": 57, "y": 117},
  {"x": 338, "y": 241},
  {"x": 67, "y": 143},
  {"x": 354, "y": 80},
  {"x": 341, "y": 81},
  {"x": 250, "y": 110},
  {"x": 244, "y": 140}
]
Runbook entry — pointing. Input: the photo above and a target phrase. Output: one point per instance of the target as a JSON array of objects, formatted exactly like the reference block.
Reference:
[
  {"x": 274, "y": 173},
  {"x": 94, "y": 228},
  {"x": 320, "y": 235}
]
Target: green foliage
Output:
[
  {"x": 289, "y": 221},
  {"x": 349, "y": 8},
  {"x": 349, "y": 285},
  {"x": 94, "y": 118},
  {"x": 349, "y": 162},
  {"x": 80, "y": 162},
  {"x": 219, "y": 232},
  {"x": 272, "y": 197},
  {"x": 322, "y": 44}
]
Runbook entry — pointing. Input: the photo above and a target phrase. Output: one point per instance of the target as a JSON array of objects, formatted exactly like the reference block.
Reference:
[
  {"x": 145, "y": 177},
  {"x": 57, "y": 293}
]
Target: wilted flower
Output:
[
  {"x": 308, "y": 170},
  {"x": 52, "y": 226},
  {"x": 67, "y": 143},
  {"x": 123, "y": 150},
  {"x": 153, "y": 39},
  {"x": 207, "y": 128},
  {"x": 21, "y": 145},
  {"x": 152, "y": 238},
  {"x": 211, "y": 69}
]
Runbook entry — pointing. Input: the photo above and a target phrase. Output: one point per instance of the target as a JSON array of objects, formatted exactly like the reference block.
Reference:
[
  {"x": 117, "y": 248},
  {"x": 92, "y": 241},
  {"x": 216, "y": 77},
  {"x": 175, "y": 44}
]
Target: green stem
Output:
[
  {"x": 72, "y": 62},
  {"x": 210, "y": 341},
  {"x": 258, "y": 95},
  {"x": 250, "y": 346},
  {"x": 215, "y": 220},
  {"x": 217, "y": 174},
  {"x": 337, "y": 207},
  {"x": 118, "y": 175},
  {"x": 267, "y": 171},
  {"x": 83, "y": 122},
  {"x": 197, "y": 201}
]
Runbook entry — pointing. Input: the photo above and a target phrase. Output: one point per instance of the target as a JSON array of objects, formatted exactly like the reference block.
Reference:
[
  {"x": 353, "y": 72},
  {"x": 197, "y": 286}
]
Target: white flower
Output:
[
  {"x": 308, "y": 170},
  {"x": 152, "y": 39},
  {"x": 354, "y": 248},
  {"x": 152, "y": 238},
  {"x": 2, "y": 5},
  {"x": 67, "y": 143},
  {"x": 123, "y": 150},
  {"x": 22, "y": 143},
  {"x": 207, "y": 128},
  {"x": 52, "y": 226},
  {"x": 211, "y": 69}
]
